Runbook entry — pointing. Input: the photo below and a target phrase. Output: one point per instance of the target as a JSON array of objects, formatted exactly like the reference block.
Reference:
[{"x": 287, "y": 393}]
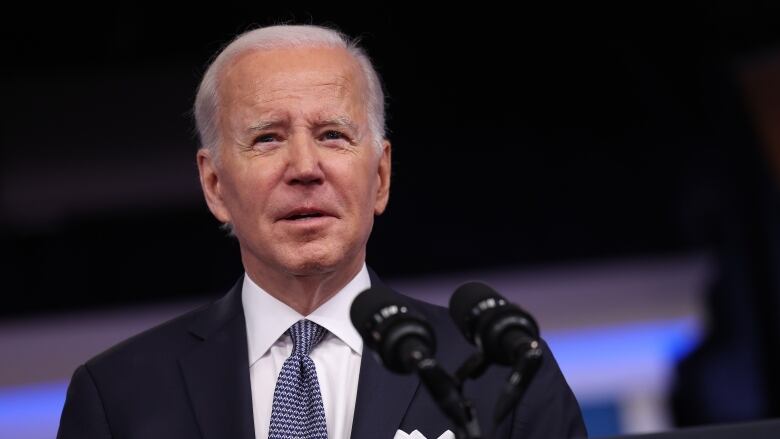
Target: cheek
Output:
[
  {"x": 360, "y": 192},
  {"x": 364, "y": 196},
  {"x": 248, "y": 191}
]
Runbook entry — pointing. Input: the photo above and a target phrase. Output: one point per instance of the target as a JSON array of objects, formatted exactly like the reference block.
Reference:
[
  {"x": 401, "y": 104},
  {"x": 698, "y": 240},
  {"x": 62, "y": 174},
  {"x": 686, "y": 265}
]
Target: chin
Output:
[
  {"x": 311, "y": 269},
  {"x": 310, "y": 263},
  {"x": 319, "y": 261}
]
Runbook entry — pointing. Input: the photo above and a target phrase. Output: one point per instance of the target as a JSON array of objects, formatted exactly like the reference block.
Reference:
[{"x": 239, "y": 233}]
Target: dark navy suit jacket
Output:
[{"x": 189, "y": 378}]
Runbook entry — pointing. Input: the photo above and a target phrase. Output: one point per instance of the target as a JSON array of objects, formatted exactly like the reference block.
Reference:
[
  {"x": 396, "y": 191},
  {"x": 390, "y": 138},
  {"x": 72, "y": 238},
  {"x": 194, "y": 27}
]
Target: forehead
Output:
[{"x": 263, "y": 78}]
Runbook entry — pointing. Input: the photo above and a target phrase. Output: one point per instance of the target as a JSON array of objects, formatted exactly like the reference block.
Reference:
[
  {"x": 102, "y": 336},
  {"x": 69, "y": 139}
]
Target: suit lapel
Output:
[
  {"x": 383, "y": 397},
  {"x": 217, "y": 371}
]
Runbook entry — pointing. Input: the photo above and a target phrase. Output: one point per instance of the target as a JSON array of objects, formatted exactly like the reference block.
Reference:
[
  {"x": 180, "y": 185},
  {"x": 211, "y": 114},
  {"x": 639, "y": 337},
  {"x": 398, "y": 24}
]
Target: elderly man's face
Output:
[{"x": 298, "y": 176}]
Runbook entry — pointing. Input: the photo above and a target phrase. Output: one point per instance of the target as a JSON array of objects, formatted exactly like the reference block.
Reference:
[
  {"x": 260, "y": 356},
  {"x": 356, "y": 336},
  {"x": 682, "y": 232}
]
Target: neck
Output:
[{"x": 303, "y": 292}]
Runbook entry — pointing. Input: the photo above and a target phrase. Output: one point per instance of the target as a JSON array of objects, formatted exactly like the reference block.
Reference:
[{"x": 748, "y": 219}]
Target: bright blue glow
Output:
[
  {"x": 33, "y": 411},
  {"x": 667, "y": 341},
  {"x": 603, "y": 363},
  {"x": 602, "y": 418}
]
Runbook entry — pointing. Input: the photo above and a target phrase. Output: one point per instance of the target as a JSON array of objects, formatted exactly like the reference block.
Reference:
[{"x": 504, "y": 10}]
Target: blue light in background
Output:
[
  {"x": 602, "y": 418},
  {"x": 595, "y": 357},
  {"x": 668, "y": 340},
  {"x": 32, "y": 411}
]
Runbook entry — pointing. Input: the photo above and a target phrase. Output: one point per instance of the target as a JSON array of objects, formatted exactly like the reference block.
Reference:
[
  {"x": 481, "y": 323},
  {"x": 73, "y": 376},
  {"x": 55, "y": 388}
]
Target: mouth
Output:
[{"x": 304, "y": 214}]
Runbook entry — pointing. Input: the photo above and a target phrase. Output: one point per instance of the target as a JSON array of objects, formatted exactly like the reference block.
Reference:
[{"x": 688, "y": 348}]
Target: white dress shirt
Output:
[{"x": 336, "y": 357}]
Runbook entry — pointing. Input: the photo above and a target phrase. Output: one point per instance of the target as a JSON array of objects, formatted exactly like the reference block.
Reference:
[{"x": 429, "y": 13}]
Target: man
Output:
[{"x": 295, "y": 162}]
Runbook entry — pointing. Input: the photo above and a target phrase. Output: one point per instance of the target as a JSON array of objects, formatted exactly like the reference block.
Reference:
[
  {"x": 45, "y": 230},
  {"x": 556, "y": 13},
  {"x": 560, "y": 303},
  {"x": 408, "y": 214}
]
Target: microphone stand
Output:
[
  {"x": 523, "y": 372},
  {"x": 472, "y": 368},
  {"x": 447, "y": 392},
  {"x": 517, "y": 383}
]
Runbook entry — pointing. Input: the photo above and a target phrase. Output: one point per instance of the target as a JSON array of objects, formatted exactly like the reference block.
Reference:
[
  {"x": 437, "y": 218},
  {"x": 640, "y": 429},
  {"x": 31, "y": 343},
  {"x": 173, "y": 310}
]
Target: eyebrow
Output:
[
  {"x": 343, "y": 121},
  {"x": 263, "y": 124}
]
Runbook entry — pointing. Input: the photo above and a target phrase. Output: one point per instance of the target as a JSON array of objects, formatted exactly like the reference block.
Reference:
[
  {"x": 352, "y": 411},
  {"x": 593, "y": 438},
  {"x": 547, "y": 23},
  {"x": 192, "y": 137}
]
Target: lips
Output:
[{"x": 304, "y": 213}]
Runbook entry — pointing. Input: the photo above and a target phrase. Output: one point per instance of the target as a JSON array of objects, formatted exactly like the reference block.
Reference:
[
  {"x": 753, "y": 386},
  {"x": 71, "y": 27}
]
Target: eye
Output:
[
  {"x": 333, "y": 135},
  {"x": 265, "y": 138}
]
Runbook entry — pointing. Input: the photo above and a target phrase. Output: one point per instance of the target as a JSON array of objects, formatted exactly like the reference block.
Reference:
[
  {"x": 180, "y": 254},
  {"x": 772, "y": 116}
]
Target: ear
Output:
[
  {"x": 383, "y": 177},
  {"x": 211, "y": 185}
]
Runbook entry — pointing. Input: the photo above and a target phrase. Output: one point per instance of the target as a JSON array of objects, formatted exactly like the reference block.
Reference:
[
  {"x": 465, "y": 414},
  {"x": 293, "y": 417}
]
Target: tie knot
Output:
[{"x": 305, "y": 335}]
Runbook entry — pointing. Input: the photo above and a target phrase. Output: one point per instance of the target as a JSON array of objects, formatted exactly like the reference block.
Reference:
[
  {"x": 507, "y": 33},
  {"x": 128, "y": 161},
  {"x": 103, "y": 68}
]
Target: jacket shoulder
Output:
[
  {"x": 171, "y": 338},
  {"x": 163, "y": 337}
]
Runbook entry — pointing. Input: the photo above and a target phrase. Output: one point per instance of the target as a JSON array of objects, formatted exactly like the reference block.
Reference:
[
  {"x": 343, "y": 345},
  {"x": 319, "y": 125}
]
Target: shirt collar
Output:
[{"x": 268, "y": 318}]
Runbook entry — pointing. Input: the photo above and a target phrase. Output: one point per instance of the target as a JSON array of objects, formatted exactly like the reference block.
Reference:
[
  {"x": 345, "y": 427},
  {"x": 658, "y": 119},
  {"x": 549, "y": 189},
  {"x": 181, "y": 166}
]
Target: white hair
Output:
[{"x": 277, "y": 37}]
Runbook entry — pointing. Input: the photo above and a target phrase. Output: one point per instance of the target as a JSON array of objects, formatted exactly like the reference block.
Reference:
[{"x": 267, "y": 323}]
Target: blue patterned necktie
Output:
[{"x": 297, "y": 411}]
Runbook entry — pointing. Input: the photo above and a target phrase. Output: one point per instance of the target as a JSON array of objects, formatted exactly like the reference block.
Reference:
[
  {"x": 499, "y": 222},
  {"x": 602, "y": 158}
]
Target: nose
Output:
[{"x": 304, "y": 166}]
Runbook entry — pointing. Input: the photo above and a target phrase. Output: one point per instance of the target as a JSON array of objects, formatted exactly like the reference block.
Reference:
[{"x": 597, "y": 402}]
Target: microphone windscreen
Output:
[
  {"x": 463, "y": 301},
  {"x": 367, "y": 304}
]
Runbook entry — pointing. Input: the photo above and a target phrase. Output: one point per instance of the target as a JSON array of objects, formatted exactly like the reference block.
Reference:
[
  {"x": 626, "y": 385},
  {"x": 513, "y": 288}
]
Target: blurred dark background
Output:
[{"x": 522, "y": 136}]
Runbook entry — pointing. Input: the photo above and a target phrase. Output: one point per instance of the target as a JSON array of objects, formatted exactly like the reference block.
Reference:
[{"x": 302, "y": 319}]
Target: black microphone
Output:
[
  {"x": 390, "y": 328},
  {"x": 405, "y": 343},
  {"x": 506, "y": 335},
  {"x": 499, "y": 328}
]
